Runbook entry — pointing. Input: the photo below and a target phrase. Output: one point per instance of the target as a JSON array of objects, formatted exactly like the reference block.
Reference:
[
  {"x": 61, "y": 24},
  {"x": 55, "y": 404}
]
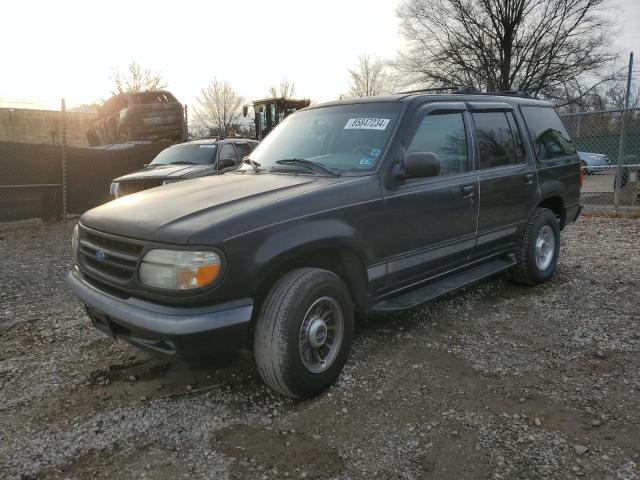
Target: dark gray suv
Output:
[{"x": 347, "y": 209}]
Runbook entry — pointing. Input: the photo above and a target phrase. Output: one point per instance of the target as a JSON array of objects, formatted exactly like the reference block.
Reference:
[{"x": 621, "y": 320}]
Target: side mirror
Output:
[
  {"x": 145, "y": 165},
  {"x": 421, "y": 164}
]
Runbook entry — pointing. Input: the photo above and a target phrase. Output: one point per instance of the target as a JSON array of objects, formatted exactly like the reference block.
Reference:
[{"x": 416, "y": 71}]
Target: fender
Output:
[{"x": 307, "y": 237}]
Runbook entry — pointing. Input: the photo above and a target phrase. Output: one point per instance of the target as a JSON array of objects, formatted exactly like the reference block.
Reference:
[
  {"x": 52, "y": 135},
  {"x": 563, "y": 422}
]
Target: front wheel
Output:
[
  {"x": 539, "y": 250},
  {"x": 304, "y": 332}
]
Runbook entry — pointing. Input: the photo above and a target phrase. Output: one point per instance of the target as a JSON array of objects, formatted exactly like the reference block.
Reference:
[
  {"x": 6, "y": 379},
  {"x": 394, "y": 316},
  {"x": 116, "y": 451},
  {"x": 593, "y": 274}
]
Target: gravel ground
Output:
[{"x": 496, "y": 381}]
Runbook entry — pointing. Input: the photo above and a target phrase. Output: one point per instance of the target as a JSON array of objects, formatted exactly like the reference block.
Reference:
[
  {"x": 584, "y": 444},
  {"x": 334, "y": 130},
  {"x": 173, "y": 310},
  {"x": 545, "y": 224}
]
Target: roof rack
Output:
[
  {"x": 470, "y": 90},
  {"x": 510, "y": 93},
  {"x": 454, "y": 88}
]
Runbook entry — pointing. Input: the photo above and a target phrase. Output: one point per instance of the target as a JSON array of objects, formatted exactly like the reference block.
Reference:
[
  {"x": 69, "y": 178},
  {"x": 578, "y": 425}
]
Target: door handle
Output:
[
  {"x": 528, "y": 177},
  {"x": 468, "y": 190}
]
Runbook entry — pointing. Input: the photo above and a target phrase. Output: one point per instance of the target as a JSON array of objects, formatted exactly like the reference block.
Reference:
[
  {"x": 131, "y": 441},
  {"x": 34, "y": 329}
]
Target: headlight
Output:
[
  {"x": 114, "y": 189},
  {"x": 179, "y": 270},
  {"x": 74, "y": 241},
  {"x": 171, "y": 180}
]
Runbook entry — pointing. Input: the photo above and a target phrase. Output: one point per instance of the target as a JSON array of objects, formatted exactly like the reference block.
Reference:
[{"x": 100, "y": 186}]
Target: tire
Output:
[
  {"x": 297, "y": 300},
  {"x": 533, "y": 267}
]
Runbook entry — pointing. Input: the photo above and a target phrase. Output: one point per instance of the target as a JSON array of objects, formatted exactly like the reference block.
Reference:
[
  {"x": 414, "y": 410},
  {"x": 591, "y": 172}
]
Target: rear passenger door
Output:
[{"x": 507, "y": 176}]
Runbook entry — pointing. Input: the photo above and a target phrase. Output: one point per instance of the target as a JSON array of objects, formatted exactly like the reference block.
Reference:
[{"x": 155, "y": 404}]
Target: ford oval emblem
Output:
[{"x": 100, "y": 255}]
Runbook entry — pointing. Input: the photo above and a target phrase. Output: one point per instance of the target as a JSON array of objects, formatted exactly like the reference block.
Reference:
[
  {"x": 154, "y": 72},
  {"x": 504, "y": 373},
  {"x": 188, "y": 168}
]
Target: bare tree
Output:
[
  {"x": 369, "y": 78},
  {"x": 615, "y": 94},
  {"x": 538, "y": 46},
  {"x": 136, "y": 79},
  {"x": 219, "y": 107},
  {"x": 287, "y": 89}
]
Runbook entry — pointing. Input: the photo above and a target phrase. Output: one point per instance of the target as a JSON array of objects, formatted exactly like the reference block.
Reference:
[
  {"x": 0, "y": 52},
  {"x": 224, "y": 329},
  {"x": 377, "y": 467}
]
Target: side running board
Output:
[{"x": 441, "y": 287}]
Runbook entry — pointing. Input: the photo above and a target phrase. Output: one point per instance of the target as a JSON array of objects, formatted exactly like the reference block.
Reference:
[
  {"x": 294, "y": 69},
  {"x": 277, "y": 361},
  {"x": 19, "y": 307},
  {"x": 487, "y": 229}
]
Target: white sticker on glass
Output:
[{"x": 367, "y": 123}]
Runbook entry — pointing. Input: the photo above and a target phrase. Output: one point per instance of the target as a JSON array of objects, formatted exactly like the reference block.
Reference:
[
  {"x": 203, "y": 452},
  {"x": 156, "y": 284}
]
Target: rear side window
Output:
[
  {"x": 496, "y": 139},
  {"x": 445, "y": 136},
  {"x": 549, "y": 137}
]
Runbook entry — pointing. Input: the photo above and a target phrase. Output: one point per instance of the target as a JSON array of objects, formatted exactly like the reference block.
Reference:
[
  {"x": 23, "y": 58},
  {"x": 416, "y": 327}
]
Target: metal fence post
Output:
[
  {"x": 618, "y": 184},
  {"x": 64, "y": 161},
  {"x": 185, "y": 134}
]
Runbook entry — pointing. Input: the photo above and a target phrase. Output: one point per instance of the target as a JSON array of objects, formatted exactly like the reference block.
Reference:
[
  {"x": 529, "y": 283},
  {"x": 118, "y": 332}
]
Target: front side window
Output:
[
  {"x": 495, "y": 140},
  {"x": 342, "y": 137},
  {"x": 445, "y": 136},
  {"x": 227, "y": 156},
  {"x": 549, "y": 136}
]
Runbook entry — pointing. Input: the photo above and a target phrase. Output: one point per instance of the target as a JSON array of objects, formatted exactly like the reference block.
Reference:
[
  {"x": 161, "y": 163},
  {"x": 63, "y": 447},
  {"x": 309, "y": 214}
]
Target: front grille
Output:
[
  {"x": 108, "y": 258},
  {"x": 133, "y": 186}
]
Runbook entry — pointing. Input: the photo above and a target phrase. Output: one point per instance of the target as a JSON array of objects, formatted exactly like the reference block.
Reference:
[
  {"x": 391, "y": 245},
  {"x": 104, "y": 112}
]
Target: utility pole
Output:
[{"x": 618, "y": 184}]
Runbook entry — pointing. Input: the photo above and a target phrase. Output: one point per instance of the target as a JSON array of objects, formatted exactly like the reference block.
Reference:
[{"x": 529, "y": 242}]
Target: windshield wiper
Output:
[
  {"x": 309, "y": 164},
  {"x": 182, "y": 162},
  {"x": 253, "y": 163}
]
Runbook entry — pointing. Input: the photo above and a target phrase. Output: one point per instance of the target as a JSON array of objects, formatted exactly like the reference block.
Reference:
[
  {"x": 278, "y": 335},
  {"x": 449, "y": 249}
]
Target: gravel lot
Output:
[{"x": 497, "y": 381}]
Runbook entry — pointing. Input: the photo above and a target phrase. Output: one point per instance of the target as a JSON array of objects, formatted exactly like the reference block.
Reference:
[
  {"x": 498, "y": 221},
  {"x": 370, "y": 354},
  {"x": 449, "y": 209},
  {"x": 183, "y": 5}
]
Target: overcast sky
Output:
[{"x": 68, "y": 49}]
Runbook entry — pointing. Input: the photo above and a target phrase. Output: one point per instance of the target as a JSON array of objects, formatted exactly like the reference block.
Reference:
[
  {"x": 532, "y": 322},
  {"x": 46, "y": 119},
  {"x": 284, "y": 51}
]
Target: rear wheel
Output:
[
  {"x": 304, "y": 332},
  {"x": 539, "y": 250}
]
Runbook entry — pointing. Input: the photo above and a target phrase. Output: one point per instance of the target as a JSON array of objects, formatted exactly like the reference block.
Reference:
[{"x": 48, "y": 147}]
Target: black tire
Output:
[
  {"x": 278, "y": 331},
  {"x": 527, "y": 271}
]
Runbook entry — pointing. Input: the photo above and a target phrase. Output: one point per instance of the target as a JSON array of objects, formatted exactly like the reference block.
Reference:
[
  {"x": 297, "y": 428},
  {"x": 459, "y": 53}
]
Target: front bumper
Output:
[{"x": 188, "y": 333}]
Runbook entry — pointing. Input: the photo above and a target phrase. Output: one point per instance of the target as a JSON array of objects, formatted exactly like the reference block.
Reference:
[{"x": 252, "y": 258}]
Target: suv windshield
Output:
[
  {"x": 342, "y": 137},
  {"x": 186, "y": 154}
]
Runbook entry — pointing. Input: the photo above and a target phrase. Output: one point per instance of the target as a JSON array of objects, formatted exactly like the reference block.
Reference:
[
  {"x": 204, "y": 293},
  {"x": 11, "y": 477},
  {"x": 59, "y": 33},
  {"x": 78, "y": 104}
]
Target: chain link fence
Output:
[
  {"x": 608, "y": 143},
  {"x": 48, "y": 169}
]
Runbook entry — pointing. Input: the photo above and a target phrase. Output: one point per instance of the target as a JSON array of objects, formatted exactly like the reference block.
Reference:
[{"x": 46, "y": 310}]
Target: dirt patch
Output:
[
  {"x": 140, "y": 370},
  {"x": 282, "y": 453}
]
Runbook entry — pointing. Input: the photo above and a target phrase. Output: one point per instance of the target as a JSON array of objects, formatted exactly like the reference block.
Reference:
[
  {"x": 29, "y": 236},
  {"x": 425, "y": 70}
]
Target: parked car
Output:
[
  {"x": 347, "y": 209},
  {"x": 185, "y": 161},
  {"x": 143, "y": 116},
  {"x": 590, "y": 160}
]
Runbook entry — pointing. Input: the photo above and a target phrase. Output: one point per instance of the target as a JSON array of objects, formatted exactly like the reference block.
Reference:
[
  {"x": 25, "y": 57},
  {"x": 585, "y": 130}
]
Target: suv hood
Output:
[
  {"x": 174, "y": 213},
  {"x": 170, "y": 171}
]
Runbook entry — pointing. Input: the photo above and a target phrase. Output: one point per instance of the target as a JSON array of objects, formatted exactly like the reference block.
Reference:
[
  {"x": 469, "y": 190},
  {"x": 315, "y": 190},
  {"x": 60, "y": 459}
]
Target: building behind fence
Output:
[{"x": 47, "y": 170}]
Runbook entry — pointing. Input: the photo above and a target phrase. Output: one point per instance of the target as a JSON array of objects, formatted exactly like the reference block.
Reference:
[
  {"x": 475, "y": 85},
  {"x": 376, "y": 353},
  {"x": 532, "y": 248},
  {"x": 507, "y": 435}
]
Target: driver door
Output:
[{"x": 432, "y": 221}]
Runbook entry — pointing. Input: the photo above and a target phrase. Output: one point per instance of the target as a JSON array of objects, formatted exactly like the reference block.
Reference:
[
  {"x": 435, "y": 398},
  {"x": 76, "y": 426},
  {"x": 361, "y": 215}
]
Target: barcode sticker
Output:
[{"x": 367, "y": 123}]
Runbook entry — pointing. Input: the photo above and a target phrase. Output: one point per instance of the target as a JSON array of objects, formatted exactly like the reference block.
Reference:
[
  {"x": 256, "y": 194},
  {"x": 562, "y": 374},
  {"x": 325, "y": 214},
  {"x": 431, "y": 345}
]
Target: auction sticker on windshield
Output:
[{"x": 367, "y": 123}]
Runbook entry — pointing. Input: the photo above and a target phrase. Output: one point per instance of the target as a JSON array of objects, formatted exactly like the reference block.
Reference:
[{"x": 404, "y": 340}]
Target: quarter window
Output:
[
  {"x": 445, "y": 136},
  {"x": 548, "y": 134},
  {"x": 496, "y": 140}
]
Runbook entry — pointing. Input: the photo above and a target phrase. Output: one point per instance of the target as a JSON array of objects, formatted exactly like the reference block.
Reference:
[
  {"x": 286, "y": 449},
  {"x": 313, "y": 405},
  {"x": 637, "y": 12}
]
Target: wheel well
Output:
[
  {"x": 556, "y": 205},
  {"x": 344, "y": 262}
]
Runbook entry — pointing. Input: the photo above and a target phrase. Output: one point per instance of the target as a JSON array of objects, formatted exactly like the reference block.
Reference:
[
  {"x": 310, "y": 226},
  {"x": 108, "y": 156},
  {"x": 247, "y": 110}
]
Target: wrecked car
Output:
[{"x": 138, "y": 116}]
